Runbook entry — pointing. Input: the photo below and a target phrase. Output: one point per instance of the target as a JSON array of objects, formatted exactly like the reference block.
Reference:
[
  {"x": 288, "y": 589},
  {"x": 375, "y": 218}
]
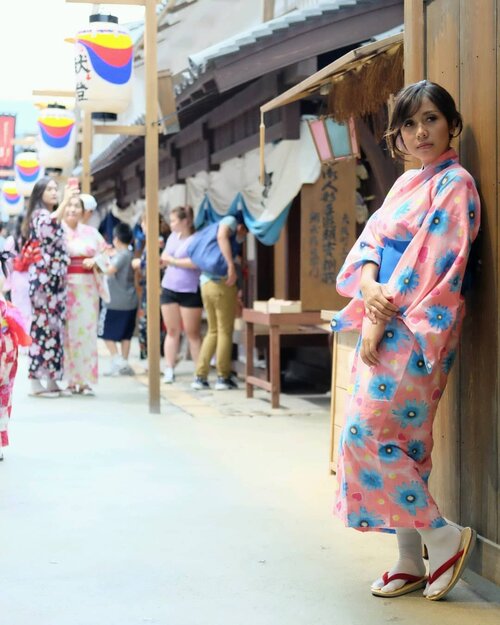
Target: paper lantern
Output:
[
  {"x": 334, "y": 140},
  {"x": 104, "y": 54},
  {"x": 12, "y": 200},
  {"x": 57, "y": 138},
  {"x": 27, "y": 171}
]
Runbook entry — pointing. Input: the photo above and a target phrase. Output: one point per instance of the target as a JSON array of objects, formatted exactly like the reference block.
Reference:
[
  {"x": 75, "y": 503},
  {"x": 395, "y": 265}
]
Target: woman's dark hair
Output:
[
  {"x": 35, "y": 201},
  {"x": 407, "y": 103},
  {"x": 184, "y": 212},
  {"x": 123, "y": 232}
]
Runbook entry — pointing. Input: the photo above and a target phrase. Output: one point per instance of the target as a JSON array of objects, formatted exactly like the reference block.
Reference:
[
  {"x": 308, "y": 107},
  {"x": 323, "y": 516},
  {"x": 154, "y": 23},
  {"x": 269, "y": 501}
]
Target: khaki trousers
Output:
[{"x": 219, "y": 301}]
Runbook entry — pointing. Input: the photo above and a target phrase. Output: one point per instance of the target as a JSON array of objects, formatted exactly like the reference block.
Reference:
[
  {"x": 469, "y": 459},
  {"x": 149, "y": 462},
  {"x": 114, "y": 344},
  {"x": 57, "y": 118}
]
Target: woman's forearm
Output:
[{"x": 369, "y": 273}]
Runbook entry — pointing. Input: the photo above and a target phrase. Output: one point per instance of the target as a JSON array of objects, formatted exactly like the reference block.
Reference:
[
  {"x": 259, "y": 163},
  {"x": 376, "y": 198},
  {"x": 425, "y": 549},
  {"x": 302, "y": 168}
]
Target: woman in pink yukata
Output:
[
  {"x": 13, "y": 332},
  {"x": 404, "y": 275}
]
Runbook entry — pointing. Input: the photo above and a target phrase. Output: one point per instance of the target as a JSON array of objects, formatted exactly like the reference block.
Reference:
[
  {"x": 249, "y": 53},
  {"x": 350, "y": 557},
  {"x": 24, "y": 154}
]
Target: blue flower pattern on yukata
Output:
[
  {"x": 394, "y": 338},
  {"x": 455, "y": 283},
  {"x": 439, "y": 317},
  {"x": 372, "y": 480},
  {"x": 389, "y": 452},
  {"x": 448, "y": 360},
  {"x": 355, "y": 431},
  {"x": 408, "y": 280},
  {"x": 382, "y": 387},
  {"x": 416, "y": 450},
  {"x": 445, "y": 263},
  {"x": 413, "y": 413},
  {"x": 439, "y": 222},
  {"x": 416, "y": 364},
  {"x": 364, "y": 518},
  {"x": 410, "y": 496}
]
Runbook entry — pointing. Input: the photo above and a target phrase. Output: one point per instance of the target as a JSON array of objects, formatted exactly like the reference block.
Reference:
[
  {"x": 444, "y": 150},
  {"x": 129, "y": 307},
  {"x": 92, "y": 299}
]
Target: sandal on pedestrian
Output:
[
  {"x": 459, "y": 561},
  {"x": 46, "y": 394},
  {"x": 87, "y": 391},
  {"x": 413, "y": 582}
]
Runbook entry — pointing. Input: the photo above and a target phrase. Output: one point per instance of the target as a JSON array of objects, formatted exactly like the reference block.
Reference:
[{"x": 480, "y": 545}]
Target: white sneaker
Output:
[
  {"x": 115, "y": 367},
  {"x": 168, "y": 375}
]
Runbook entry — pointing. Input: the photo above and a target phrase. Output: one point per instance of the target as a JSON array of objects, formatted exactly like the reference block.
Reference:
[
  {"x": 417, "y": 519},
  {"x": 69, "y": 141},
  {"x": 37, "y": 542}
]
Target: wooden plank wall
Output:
[{"x": 461, "y": 52}]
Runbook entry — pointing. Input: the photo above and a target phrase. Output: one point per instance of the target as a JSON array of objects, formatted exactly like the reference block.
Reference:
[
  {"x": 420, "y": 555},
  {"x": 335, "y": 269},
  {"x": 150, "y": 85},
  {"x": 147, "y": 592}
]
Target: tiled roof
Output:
[{"x": 201, "y": 61}]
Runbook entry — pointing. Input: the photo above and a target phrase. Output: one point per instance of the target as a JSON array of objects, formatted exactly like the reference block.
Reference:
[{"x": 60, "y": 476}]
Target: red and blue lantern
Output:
[
  {"x": 104, "y": 54},
  {"x": 57, "y": 138},
  {"x": 12, "y": 200},
  {"x": 27, "y": 171}
]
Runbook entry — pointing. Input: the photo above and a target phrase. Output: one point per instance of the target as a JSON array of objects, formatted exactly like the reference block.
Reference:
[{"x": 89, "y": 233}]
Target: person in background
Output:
[
  {"x": 90, "y": 214},
  {"x": 220, "y": 297},
  {"x": 117, "y": 318},
  {"x": 42, "y": 229},
  {"x": 404, "y": 275},
  {"x": 84, "y": 285},
  {"x": 181, "y": 303},
  {"x": 13, "y": 332},
  {"x": 139, "y": 265}
]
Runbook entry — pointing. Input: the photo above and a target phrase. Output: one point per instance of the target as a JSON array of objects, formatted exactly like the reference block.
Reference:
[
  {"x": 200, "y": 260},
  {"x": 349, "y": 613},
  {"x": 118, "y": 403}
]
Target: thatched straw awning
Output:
[{"x": 358, "y": 83}]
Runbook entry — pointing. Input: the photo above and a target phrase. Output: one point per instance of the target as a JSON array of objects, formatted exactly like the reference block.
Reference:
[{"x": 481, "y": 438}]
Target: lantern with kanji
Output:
[
  {"x": 27, "y": 171},
  {"x": 57, "y": 138},
  {"x": 12, "y": 200},
  {"x": 103, "y": 67}
]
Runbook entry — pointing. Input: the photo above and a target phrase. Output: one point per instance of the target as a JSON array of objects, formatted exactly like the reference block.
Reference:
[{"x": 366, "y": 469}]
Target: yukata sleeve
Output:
[
  {"x": 46, "y": 229},
  {"x": 367, "y": 249},
  {"x": 427, "y": 281}
]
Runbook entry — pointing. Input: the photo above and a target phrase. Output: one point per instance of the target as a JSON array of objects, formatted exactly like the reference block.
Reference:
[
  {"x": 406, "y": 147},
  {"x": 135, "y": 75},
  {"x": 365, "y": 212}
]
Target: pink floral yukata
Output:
[
  {"x": 80, "y": 347},
  {"x": 420, "y": 238}
]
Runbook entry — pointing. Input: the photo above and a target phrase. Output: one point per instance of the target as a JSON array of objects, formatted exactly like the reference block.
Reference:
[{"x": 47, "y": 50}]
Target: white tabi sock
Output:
[
  {"x": 410, "y": 559},
  {"x": 442, "y": 544}
]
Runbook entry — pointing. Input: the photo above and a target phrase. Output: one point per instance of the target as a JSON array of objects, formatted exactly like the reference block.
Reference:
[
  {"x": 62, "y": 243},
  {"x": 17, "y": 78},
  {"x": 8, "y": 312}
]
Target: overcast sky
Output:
[{"x": 37, "y": 57}]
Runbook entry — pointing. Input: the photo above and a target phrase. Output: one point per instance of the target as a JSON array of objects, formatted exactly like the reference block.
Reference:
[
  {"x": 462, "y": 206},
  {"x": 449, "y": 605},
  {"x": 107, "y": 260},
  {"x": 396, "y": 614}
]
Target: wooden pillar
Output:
[
  {"x": 267, "y": 10},
  {"x": 86, "y": 152},
  {"x": 281, "y": 265},
  {"x": 414, "y": 58},
  {"x": 152, "y": 212}
]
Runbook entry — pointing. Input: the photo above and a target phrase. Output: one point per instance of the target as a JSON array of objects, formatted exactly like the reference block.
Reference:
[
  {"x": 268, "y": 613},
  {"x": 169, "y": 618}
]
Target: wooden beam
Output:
[
  {"x": 103, "y": 129},
  {"x": 152, "y": 212},
  {"x": 414, "y": 58},
  {"x": 54, "y": 93},
  {"x": 86, "y": 152},
  {"x": 267, "y": 10},
  {"x": 24, "y": 141},
  {"x": 136, "y": 2}
]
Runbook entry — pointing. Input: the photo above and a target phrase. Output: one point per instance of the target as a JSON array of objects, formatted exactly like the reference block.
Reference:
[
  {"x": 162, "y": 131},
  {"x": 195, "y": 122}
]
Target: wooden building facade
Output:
[{"x": 457, "y": 44}]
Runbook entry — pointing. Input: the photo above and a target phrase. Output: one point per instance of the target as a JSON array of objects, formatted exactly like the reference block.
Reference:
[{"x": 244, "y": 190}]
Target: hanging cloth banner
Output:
[{"x": 236, "y": 186}]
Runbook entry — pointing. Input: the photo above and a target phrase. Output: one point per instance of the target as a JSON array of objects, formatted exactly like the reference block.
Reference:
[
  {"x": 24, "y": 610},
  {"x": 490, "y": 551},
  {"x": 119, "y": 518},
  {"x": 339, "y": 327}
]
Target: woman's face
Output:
[
  {"x": 426, "y": 135},
  {"x": 176, "y": 224},
  {"x": 49, "y": 197},
  {"x": 73, "y": 212}
]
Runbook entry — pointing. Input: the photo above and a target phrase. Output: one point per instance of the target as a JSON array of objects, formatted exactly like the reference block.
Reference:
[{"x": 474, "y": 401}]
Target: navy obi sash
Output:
[{"x": 390, "y": 254}]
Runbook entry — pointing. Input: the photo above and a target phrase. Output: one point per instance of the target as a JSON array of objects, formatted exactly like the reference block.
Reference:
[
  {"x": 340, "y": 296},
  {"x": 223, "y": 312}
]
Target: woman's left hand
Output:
[
  {"x": 88, "y": 263},
  {"x": 371, "y": 335}
]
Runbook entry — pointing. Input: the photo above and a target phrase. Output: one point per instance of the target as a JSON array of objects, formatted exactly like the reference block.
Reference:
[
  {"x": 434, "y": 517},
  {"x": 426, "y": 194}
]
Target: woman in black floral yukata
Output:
[{"x": 47, "y": 278}]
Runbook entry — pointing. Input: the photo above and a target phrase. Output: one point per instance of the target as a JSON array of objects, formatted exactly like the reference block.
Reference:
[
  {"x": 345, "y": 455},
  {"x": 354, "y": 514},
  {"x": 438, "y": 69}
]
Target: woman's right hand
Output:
[{"x": 377, "y": 300}]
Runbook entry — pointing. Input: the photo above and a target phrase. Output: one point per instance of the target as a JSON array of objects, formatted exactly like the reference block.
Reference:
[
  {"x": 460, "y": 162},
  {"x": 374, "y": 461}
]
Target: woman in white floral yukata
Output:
[
  {"x": 84, "y": 287},
  {"x": 47, "y": 277},
  {"x": 405, "y": 275}
]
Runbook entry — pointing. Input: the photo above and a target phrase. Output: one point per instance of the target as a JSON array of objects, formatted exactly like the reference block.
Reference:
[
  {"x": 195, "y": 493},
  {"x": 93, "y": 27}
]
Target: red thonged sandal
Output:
[{"x": 413, "y": 582}]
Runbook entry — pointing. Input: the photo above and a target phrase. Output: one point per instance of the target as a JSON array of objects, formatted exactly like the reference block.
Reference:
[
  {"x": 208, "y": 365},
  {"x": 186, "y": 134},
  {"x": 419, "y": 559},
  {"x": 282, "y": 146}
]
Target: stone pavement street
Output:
[{"x": 211, "y": 513}]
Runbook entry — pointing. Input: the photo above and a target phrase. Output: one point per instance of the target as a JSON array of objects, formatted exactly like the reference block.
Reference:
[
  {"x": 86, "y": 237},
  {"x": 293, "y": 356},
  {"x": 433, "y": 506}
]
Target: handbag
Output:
[
  {"x": 205, "y": 253},
  {"x": 30, "y": 253}
]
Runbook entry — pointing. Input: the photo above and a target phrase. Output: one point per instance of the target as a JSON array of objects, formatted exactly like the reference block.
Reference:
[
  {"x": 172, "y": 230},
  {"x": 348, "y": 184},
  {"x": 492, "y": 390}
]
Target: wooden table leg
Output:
[
  {"x": 249, "y": 347},
  {"x": 274, "y": 358}
]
